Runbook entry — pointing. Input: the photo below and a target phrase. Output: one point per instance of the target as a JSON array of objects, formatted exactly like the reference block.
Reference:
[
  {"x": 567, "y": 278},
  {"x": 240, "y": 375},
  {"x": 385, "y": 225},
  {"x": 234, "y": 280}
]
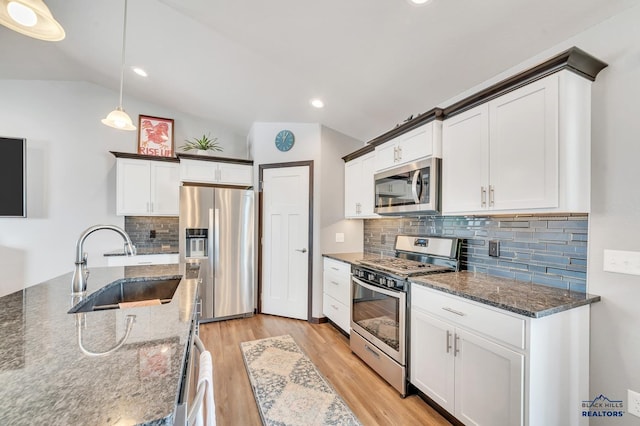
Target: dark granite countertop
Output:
[
  {"x": 531, "y": 300},
  {"x": 145, "y": 251},
  {"x": 45, "y": 377},
  {"x": 352, "y": 258}
]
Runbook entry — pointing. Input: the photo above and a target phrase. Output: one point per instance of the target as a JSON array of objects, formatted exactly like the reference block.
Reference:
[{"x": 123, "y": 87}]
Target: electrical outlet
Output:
[
  {"x": 152, "y": 233},
  {"x": 494, "y": 248},
  {"x": 633, "y": 402}
]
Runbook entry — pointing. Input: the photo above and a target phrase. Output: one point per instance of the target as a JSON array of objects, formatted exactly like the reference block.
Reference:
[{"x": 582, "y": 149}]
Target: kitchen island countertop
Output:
[{"x": 45, "y": 377}]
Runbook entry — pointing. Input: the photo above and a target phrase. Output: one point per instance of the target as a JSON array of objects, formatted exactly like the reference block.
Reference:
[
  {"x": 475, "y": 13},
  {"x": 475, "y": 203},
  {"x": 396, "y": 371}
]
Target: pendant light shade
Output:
[
  {"x": 31, "y": 18},
  {"x": 118, "y": 119}
]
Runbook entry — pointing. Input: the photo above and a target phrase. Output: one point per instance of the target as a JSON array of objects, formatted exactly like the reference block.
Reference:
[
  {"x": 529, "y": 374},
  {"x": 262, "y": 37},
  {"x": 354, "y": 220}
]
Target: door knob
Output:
[{"x": 304, "y": 250}]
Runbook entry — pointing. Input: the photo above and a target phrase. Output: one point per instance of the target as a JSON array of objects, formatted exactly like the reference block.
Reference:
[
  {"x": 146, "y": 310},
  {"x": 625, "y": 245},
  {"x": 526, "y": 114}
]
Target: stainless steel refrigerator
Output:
[{"x": 217, "y": 231}]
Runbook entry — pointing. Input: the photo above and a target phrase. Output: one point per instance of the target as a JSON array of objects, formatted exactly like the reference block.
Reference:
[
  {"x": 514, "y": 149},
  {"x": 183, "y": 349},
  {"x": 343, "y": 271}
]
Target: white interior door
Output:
[{"x": 285, "y": 243}]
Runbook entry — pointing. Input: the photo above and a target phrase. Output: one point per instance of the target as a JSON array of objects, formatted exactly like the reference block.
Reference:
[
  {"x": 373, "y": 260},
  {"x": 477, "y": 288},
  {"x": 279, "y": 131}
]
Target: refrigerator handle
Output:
[
  {"x": 216, "y": 241},
  {"x": 212, "y": 247}
]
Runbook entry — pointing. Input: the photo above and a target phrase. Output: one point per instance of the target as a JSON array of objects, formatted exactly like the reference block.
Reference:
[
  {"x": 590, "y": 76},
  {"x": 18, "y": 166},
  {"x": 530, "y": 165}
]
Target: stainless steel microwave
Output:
[{"x": 410, "y": 190}]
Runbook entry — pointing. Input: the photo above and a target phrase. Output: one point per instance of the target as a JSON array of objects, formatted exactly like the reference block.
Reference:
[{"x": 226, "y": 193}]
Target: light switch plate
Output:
[
  {"x": 623, "y": 262},
  {"x": 339, "y": 237},
  {"x": 633, "y": 402}
]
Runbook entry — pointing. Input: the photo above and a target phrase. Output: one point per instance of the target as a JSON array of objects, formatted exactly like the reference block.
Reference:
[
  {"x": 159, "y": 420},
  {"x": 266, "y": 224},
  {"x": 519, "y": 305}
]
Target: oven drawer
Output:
[
  {"x": 337, "y": 312},
  {"x": 394, "y": 373},
  {"x": 497, "y": 325}
]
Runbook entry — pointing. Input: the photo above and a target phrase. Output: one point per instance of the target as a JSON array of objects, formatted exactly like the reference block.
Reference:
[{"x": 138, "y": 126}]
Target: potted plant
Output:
[{"x": 202, "y": 144}]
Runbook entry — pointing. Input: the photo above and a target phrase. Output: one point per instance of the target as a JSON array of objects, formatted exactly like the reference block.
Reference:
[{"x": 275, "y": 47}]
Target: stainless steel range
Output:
[{"x": 379, "y": 301}]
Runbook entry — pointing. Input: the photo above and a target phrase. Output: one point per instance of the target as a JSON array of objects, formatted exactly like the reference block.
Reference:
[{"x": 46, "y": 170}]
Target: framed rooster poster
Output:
[{"x": 155, "y": 136}]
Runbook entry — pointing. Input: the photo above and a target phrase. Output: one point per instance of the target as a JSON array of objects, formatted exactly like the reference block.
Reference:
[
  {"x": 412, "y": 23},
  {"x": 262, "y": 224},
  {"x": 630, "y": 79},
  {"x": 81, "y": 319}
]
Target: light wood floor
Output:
[{"x": 372, "y": 400}]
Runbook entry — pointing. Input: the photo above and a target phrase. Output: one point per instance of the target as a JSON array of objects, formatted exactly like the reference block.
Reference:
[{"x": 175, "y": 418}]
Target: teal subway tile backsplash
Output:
[{"x": 546, "y": 250}]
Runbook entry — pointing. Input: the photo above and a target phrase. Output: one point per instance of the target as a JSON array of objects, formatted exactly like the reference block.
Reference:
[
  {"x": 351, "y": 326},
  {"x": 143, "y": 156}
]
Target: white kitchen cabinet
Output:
[
  {"x": 336, "y": 279},
  {"x": 476, "y": 380},
  {"x": 424, "y": 141},
  {"x": 143, "y": 259},
  {"x": 465, "y": 162},
  {"x": 147, "y": 188},
  {"x": 525, "y": 151},
  {"x": 359, "y": 188},
  {"x": 487, "y": 366},
  {"x": 222, "y": 173}
]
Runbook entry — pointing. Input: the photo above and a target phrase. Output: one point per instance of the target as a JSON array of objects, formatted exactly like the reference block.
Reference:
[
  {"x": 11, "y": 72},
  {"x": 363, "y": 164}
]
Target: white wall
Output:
[
  {"x": 615, "y": 203},
  {"x": 71, "y": 174},
  {"x": 336, "y": 145},
  {"x": 325, "y": 147}
]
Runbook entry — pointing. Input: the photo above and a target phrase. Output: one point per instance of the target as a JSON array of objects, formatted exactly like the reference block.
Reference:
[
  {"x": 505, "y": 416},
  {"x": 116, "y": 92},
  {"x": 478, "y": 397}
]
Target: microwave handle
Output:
[{"x": 414, "y": 187}]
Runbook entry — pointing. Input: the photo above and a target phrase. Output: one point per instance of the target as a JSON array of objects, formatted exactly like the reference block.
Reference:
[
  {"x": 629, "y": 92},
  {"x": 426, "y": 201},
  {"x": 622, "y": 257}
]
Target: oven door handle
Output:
[
  {"x": 391, "y": 293},
  {"x": 414, "y": 187}
]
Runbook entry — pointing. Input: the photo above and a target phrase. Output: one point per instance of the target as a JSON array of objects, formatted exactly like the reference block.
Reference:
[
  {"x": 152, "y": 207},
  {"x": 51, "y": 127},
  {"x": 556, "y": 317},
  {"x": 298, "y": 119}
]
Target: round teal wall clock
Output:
[{"x": 285, "y": 140}]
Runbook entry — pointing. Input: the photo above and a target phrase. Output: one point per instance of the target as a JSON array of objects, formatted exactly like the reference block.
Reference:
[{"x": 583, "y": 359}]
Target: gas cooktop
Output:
[{"x": 403, "y": 267}]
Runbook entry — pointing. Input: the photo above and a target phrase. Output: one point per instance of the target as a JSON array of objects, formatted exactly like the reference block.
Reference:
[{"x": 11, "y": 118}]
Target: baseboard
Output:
[
  {"x": 314, "y": 320},
  {"x": 411, "y": 389}
]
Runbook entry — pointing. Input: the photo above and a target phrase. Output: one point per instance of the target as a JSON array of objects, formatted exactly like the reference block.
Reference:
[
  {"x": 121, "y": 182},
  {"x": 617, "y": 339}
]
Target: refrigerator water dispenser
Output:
[{"x": 197, "y": 242}]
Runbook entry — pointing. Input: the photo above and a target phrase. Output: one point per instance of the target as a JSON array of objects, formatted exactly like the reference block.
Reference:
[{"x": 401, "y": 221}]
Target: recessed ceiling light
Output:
[
  {"x": 140, "y": 71},
  {"x": 418, "y": 2},
  {"x": 317, "y": 103}
]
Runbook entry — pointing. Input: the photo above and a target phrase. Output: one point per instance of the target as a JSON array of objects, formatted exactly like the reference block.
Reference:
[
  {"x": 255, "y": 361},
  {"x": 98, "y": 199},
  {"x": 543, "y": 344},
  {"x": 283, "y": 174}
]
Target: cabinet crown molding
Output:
[
  {"x": 135, "y": 156},
  {"x": 574, "y": 59}
]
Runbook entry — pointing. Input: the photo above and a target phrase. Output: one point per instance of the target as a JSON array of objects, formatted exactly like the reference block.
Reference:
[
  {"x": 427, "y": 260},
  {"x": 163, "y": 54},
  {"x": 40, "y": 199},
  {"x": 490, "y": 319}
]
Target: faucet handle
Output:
[{"x": 130, "y": 249}]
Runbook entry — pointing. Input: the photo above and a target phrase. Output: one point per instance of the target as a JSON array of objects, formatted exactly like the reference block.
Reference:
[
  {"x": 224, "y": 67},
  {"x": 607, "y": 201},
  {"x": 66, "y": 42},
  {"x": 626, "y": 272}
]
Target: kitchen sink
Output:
[{"x": 129, "y": 290}]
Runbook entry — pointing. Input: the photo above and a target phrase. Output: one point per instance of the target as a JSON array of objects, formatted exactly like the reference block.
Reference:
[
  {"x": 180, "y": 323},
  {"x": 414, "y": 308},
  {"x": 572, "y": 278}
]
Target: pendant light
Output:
[
  {"x": 31, "y": 18},
  {"x": 118, "y": 118}
]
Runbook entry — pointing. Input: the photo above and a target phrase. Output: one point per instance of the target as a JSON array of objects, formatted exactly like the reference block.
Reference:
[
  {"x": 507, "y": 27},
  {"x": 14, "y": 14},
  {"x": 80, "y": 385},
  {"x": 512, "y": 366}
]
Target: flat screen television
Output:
[{"x": 13, "y": 177}]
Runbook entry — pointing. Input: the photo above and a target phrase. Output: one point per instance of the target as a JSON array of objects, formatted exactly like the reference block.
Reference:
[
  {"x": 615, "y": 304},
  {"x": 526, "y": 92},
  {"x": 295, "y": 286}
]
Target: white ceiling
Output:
[{"x": 373, "y": 62}]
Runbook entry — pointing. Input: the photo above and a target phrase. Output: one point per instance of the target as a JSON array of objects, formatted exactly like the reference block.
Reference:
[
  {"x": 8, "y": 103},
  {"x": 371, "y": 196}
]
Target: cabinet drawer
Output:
[
  {"x": 336, "y": 266},
  {"x": 336, "y": 312},
  {"x": 337, "y": 286},
  {"x": 497, "y": 325}
]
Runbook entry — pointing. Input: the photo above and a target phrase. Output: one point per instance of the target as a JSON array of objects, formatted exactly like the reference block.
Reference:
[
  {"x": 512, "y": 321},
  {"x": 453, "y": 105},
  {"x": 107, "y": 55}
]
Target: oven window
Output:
[
  {"x": 397, "y": 190},
  {"x": 377, "y": 313}
]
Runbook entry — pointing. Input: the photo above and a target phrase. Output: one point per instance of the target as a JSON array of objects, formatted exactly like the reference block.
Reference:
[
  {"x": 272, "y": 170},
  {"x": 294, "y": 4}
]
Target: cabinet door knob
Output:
[
  {"x": 491, "y": 195},
  {"x": 483, "y": 196},
  {"x": 448, "y": 341}
]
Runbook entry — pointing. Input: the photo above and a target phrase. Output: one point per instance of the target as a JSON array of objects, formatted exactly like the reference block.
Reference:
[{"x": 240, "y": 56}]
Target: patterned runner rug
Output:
[{"x": 288, "y": 388}]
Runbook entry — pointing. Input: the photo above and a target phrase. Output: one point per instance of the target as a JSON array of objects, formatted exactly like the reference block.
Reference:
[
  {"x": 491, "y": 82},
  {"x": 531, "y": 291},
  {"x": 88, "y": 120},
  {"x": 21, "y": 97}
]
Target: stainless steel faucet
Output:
[{"x": 80, "y": 274}]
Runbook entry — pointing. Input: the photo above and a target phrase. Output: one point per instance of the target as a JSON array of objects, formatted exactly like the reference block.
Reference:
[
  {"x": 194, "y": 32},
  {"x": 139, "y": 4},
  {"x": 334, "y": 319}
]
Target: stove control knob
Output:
[
  {"x": 391, "y": 283},
  {"x": 371, "y": 277},
  {"x": 381, "y": 280}
]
